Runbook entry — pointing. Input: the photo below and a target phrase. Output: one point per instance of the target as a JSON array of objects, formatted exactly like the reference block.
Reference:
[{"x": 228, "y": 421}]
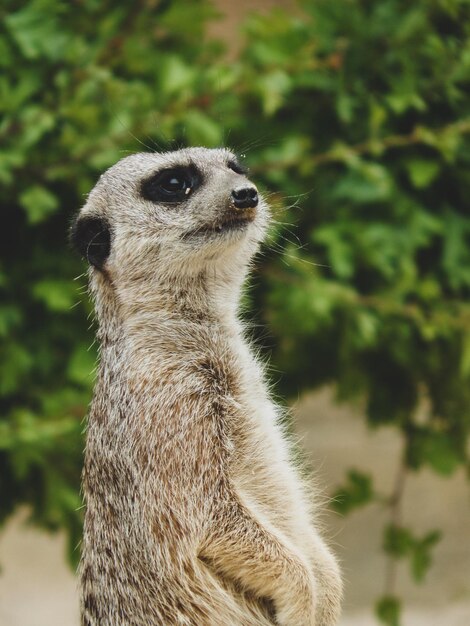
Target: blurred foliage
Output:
[
  {"x": 400, "y": 542},
  {"x": 388, "y": 610},
  {"x": 356, "y": 492},
  {"x": 355, "y": 114}
]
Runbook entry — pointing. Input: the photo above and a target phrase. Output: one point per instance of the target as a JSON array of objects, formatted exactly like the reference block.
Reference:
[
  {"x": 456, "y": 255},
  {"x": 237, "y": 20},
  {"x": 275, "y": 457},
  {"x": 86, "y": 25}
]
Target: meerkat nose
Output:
[{"x": 245, "y": 197}]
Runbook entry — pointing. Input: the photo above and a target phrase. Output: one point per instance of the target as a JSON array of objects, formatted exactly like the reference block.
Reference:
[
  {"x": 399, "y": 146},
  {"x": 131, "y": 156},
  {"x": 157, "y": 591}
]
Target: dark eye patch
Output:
[
  {"x": 171, "y": 185},
  {"x": 237, "y": 167}
]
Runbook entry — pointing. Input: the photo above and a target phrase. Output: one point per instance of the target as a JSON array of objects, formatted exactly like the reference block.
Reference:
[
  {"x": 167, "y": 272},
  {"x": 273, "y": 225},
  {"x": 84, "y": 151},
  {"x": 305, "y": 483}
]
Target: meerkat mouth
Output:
[{"x": 231, "y": 224}]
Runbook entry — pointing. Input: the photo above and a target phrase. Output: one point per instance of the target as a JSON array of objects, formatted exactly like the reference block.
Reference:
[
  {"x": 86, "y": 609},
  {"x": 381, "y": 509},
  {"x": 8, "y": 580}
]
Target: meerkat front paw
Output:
[
  {"x": 330, "y": 594},
  {"x": 298, "y": 608},
  {"x": 297, "y": 616}
]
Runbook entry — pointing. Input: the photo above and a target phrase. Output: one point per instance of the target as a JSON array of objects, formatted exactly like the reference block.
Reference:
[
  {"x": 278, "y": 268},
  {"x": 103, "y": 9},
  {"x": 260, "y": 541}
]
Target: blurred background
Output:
[{"x": 354, "y": 118}]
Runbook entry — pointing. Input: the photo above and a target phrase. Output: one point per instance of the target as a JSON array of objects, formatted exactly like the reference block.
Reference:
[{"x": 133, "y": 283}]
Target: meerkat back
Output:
[{"x": 195, "y": 513}]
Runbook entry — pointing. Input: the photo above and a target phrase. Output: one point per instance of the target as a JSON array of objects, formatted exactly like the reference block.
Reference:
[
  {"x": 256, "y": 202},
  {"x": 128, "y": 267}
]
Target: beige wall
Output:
[{"x": 337, "y": 439}]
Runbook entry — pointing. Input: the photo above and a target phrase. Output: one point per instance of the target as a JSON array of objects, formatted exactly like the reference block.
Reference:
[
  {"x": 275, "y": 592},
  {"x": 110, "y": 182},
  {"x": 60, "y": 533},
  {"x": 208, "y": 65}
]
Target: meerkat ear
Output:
[{"x": 91, "y": 237}]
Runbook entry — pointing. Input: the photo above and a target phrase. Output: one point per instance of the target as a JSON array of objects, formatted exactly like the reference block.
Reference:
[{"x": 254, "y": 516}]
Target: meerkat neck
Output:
[{"x": 152, "y": 315}]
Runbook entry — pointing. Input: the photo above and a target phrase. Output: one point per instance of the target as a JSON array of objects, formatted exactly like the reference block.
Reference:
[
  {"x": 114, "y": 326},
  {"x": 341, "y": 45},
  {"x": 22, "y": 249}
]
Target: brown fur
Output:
[{"x": 195, "y": 513}]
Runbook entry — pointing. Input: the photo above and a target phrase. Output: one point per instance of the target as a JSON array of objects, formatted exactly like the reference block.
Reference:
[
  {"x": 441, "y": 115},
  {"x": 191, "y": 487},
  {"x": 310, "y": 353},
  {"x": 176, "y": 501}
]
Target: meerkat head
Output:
[{"x": 176, "y": 211}]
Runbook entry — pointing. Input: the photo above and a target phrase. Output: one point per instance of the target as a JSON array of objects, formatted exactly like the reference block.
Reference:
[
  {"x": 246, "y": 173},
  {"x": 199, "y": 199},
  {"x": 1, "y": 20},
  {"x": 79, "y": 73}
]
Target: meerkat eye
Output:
[
  {"x": 171, "y": 185},
  {"x": 237, "y": 167}
]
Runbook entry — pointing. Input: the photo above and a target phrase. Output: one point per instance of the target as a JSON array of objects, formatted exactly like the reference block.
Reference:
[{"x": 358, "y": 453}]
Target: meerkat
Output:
[{"x": 195, "y": 512}]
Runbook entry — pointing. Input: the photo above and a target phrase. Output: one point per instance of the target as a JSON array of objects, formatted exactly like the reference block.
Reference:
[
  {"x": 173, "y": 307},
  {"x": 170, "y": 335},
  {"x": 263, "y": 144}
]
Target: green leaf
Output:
[
  {"x": 366, "y": 328},
  {"x": 30, "y": 432},
  {"x": 82, "y": 366},
  {"x": 456, "y": 253},
  {"x": 388, "y": 610},
  {"x": 422, "y": 172},
  {"x": 422, "y": 557},
  {"x": 273, "y": 88},
  {"x": 39, "y": 203},
  {"x": 10, "y": 317},
  {"x": 401, "y": 101},
  {"x": 35, "y": 36},
  {"x": 437, "y": 449},
  {"x": 339, "y": 249},
  {"x": 366, "y": 182},
  {"x": 357, "y": 492},
  {"x": 15, "y": 364},
  {"x": 201, "y": 129},
  {"x": 398, "y": 541},
  {"x": 175, "y": 75},
  {"x": 57, "y": 295},
  {"x": 36, "y": 122}
]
